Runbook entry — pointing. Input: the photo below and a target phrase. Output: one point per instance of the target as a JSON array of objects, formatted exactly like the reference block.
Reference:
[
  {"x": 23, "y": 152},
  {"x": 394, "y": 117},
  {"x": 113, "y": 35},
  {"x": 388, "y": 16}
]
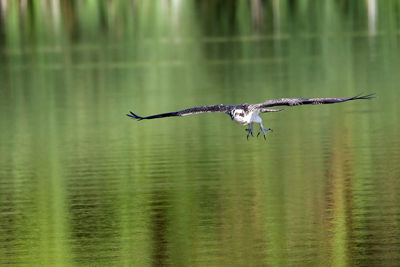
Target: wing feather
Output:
[
  {"x": 306, "y": 101},
  {"x": 205, "y": 109},
  {"x": 269, "y": 103},
  {"x": 185, "y": 112}
]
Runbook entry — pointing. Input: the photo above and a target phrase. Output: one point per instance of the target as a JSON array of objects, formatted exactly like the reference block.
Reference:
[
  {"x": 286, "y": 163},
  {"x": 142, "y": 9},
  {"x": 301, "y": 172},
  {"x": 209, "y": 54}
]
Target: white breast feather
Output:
[{"x": 252, "y": 116}]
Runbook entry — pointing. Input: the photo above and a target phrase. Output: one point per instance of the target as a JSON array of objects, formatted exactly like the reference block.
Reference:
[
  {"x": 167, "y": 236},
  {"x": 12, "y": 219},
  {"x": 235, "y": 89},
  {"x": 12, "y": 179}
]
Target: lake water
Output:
[{"x": 82, "y": 184}]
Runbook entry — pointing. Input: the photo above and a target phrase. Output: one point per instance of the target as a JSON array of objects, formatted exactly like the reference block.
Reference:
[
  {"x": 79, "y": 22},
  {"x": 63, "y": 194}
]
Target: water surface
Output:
[{"x": 82, "y": 184}]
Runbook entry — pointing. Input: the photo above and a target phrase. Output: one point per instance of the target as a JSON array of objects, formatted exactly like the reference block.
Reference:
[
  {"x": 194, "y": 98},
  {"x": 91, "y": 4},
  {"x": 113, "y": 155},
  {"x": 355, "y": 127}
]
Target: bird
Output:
[{"x": 248, "y": 114}]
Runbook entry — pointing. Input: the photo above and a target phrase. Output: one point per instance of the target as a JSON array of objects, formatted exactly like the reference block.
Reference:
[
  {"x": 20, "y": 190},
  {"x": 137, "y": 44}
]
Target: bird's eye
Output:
[{"x": 236, "y": 113}]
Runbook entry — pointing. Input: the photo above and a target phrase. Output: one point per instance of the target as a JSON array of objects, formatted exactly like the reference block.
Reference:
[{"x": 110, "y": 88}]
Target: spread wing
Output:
[
  {"x": 185, "y": 112},
  {"x": 305, "y": 101}
]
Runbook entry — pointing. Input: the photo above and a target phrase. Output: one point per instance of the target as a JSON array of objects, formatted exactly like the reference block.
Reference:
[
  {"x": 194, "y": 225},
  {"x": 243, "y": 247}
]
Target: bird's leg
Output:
[
  {"x": 250, "y": 130},
  {"x": 263, "y": 130}
]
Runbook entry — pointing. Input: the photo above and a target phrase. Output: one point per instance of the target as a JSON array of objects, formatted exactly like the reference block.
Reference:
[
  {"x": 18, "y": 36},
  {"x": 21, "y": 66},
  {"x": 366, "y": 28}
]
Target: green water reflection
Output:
[{"x": 81, "y": 184}]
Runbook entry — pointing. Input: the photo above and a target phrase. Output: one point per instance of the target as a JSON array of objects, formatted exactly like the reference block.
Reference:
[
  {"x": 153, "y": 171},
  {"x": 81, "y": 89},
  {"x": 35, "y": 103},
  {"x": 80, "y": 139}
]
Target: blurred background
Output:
[{"x": 82, "y": 184}]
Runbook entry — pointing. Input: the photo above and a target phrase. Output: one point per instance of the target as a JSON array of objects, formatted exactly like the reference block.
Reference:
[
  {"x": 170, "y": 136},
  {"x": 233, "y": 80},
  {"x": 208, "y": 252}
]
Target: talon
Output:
[
  {"x": 263, "y": 130},
  {"x": 259, "y": 131},
  {"x": 249, "y": 131}
]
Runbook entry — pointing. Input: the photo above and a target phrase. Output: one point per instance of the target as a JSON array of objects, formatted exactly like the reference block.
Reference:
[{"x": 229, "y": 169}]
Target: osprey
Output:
[{"x": 248, "y": 114}]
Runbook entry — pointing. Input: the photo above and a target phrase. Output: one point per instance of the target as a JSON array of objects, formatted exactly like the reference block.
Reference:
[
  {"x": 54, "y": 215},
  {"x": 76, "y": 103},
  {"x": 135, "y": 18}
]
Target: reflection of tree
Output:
[
  {"x": 69, "y": 10},
  {"x": 2, "y": 26},
  {"x": 339, "y": 198},
  {"x": 119, "y": 18},
  {"x": 159, "y": 226}
]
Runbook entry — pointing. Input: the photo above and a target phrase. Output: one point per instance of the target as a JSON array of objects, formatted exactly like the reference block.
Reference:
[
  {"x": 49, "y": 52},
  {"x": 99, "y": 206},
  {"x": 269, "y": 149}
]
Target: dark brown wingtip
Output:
[
  {"x": 134, "y": 116},
  {"x": 369, "y": 96}
]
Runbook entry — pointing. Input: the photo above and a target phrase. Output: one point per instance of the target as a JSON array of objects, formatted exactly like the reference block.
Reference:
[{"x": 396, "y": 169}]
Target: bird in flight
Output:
[{"x": 248, "y": 114}]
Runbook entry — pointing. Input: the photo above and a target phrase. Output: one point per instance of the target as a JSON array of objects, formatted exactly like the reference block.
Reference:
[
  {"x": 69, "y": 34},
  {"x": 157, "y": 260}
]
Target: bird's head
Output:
[{"x": 238, "y": 115}]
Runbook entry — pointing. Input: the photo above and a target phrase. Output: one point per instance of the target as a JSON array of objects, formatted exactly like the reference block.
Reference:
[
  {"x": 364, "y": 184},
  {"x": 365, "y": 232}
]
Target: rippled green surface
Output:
[{"x": 82, "y": 184}]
